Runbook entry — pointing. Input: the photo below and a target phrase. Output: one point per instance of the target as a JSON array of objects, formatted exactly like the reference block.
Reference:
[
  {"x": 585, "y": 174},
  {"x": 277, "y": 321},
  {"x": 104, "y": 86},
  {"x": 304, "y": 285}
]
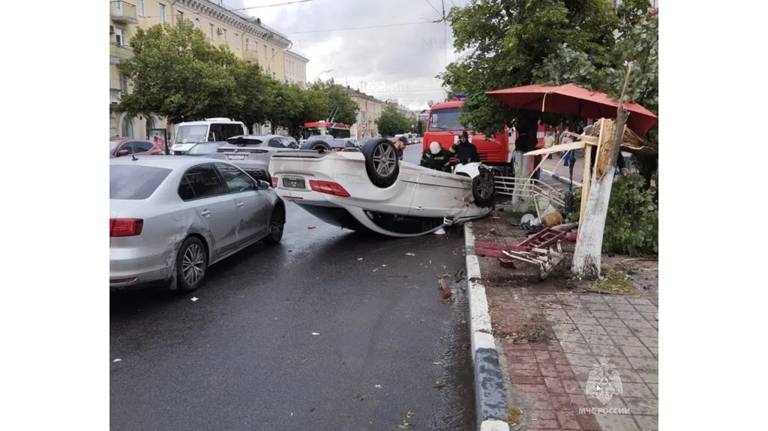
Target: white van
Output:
[{"x": 189, "y": 133}]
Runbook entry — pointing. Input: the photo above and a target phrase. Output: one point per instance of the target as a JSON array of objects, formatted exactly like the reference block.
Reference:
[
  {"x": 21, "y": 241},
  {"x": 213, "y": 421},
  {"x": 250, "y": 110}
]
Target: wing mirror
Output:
[{"x": 263, "y": 185}]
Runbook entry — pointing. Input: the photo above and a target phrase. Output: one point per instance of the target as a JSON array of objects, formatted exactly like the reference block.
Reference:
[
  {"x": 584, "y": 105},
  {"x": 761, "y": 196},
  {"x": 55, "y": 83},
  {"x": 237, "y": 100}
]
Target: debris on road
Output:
[
  {"x": 194, "y": 299},
  {"x": 443, "y": 286},
  {"x": 377, "y": 386},
  {"x": 438, "y": 385},
  {"x": 359, "y": 259},
  {"x": 405, "y": 423},
  {"x": 410, "y": 254},
  {"x": 311, "y": 227},
  {"x": 116, "y": 360},
  {"x": 315, "y": 333}
]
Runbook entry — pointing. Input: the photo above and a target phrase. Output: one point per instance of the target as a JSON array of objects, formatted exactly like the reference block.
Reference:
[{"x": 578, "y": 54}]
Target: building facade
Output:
[
  {"x": 369, "y": 111},
  {"x": 247, "y": 37}
]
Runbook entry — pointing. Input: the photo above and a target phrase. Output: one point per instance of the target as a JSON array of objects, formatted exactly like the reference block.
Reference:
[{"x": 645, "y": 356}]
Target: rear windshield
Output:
[
  {"x": 445, "y": 119},
  {"x": 243, "y": 142},
  {"x": 134, "y": 182}
]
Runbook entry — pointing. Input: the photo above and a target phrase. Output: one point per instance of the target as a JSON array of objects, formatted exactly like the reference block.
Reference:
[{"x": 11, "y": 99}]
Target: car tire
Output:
[
  {"x": 191, "y": 264},
  {"x": 483, "y": 188},
  {"x": 276, "y": 225},
  {"x": 321, "y": 146},
  {"x": 381, "y": 162}
]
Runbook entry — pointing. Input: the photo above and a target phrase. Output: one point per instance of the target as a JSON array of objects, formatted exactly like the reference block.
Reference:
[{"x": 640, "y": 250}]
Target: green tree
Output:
[
  {"x": 288, "y": 107},
  {"x": 505, "y": 41},
  {"x": 329, "y": 101},
  {"x": 392, "y": 122},
  {"x": 176, "y": 73}
]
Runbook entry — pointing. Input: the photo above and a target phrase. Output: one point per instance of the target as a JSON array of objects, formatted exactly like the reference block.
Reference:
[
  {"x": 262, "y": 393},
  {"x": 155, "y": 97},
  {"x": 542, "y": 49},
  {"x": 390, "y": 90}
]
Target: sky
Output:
[{"x": 390, "y": 61}]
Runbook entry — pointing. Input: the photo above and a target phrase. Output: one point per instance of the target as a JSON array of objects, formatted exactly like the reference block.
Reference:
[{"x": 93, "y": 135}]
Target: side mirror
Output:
[
  {"x": 122, "y": 152},
  {"x": 263, "y": 185}
]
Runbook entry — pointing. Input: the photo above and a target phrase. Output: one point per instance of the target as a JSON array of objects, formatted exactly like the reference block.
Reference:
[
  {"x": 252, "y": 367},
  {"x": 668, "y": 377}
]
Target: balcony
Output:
[
  {"x": 118, "y": 54},
  {"x": 122, "y": 12}
]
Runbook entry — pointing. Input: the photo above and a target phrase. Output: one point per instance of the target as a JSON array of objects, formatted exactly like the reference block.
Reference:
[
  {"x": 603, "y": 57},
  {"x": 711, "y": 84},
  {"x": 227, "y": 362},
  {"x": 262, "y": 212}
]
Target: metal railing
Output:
[{"x": 527, "y": 188}]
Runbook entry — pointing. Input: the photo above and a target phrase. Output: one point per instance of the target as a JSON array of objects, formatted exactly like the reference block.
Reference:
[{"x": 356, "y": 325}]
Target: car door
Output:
[
  {"x": 204, "y": 192},
  {"x": 142, "y": 147},
  {"x": 253, "y": 205}
]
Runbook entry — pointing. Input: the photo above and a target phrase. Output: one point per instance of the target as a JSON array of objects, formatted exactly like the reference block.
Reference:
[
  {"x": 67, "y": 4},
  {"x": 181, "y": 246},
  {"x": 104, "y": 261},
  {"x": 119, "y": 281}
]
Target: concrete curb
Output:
[
  {"x": 563, "y": 180},
  {"x": 490, "y": 395}
]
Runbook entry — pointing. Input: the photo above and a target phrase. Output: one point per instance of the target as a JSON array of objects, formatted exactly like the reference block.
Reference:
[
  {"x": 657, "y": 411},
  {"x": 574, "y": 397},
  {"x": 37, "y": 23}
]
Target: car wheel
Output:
[
  {"x": 483, "y": 188},
  {"x": 381, "y": 162},
  {"x": 191, "y": 263},
  {"x": 276, "y": 225},
  {"x": 321, "y": 146}
]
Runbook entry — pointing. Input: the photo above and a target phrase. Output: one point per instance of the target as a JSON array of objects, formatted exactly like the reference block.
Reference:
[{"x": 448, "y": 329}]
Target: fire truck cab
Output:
[{"x": 443, "y": 127}]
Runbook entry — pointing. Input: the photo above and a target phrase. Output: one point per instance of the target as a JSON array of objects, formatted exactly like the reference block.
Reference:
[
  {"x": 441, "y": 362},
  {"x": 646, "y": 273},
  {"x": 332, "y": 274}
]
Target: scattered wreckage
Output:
[{"x": 372, "y": 190}]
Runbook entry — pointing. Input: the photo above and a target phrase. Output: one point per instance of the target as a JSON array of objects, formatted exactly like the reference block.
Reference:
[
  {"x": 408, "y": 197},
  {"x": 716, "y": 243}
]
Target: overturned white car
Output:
[{"x": 370, "y": 189}]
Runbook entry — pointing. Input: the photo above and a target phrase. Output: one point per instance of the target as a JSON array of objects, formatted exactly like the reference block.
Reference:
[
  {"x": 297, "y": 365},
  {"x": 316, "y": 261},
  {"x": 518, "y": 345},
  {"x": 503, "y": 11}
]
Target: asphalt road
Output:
[{"x": 300, "y": 336}]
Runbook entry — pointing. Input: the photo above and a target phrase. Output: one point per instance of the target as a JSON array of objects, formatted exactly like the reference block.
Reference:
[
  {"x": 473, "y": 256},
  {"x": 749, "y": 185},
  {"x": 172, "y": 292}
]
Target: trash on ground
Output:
[
  {"x": 315, "y": 333},
  {"x": 194, "y": 299},
  {"x": 377, "y": 386},
  {"x": 447, "y": 294},
  {"x": 359, "y": 258},
  {"x": 410, "y": 254},
  {"x": 552, "y": 219},
  {"x": 311, "y": 227},
  {"x": 438, "y": 385},
  {"x": 440, "y": 231},
  {"x": 116, "y": 360}
]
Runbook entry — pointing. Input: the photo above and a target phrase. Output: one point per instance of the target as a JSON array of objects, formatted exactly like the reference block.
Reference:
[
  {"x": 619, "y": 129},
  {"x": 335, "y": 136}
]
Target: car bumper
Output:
[{"x": 130, "y": 268}]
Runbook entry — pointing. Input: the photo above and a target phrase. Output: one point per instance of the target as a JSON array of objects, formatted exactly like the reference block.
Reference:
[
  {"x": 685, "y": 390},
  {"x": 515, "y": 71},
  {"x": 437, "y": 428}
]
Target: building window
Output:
[
  {"x": 246, "y": 44},
  {"x": 123, "y": 84},
  {"x": 197, "y": 22},
  {"x": 162, "y": 13},
  {"x": 273, "y": 52},
  {"x": 119, "y": 37},
  {"x": 179, "y": 16},
  {"x": 225, "y": 35},
  {"x": 141, "y": 7},
  {"x": 211, "y": 28},
  {"x": 127, "y": 127}
]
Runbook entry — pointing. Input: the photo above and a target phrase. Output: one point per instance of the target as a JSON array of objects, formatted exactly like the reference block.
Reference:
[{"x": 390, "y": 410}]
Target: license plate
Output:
[
  {"x": 236, "y": 156},
  {"x": 294, "y": 183}
]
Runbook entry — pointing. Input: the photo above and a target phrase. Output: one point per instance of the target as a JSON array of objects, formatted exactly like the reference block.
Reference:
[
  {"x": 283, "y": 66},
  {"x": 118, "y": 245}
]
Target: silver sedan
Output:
[{"x": 172, "y": 217}]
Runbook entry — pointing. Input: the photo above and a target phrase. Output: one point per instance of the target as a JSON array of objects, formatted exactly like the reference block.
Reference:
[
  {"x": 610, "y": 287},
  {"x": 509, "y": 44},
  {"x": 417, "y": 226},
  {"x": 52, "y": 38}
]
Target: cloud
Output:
[{"x": 389, "y": 49}]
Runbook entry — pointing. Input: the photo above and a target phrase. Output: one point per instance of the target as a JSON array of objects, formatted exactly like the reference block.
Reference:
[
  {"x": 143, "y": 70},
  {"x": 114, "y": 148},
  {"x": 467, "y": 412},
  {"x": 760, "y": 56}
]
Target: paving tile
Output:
[
  {"x": 605, "y": 314},
  {"x": 548, "y": 370},
  {"x": 611, "y": 322},
  {"x": 654, "y": 388},
  {"x": 529, "y": 389},
  {"x": 629, "y": 376},
  {"x": 585, "y": 320},
  {"x": 523, "y": 365},
  {"x": 638, "y": 301},
  {"x": 642, "y": 406},
  {"x": 524, "y": 373},
  {"x": 636, "y": 390},
  {"x": 574, "y": 337},
  {"x": 588, "y": 422},
  {"x": 629, "y": 308},
  {"x": 598, "y": 307},
  {"x": 605, "y": 350},
  {"x": 591, "y": 299},
  {"x": 615, "y": 299},
  {"x": 598, "y": 339},
  {"x": 636, "y": 351},
  {"x": 581, "y": 360},
  {"x": 649, "y": 376},
  {"x": 591, "y": 329},
  {"x": 637, "y": 323},
  {"x": 565, "y": 371},
  {"x": 526, "y": 380},
  {"x": 647, "y": 423},
  {"x": 542, "y": 415},
  {"x": 581, "y": 372},
  {"x": 627, "y": 340},
  {"x": 644, "y": 364},
  {"x": 571, "y": 386},
  {"x": 618, "y": 330},
  {"x": 613, "y": 422},
  {"x": 567, "y": 420},
  {"x": 554, "y": 386},
  {"x": 578, "y": 400},
  {"x": 650, "y": 309},
  {"x": 582, "y": 348}
]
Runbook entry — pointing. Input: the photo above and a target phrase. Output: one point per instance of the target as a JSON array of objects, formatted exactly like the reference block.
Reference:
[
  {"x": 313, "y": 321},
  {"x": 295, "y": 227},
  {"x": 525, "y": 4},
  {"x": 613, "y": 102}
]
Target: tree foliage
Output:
[
  {"x": 509, "y": 43},
  {"x": 392, "y": 122},
  {"x": 177, "y": 74}
]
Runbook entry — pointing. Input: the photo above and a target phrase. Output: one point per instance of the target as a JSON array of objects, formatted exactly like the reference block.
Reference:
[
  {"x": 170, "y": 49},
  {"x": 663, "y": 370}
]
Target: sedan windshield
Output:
[
  {"x": 187, "y": 134},
  {"x": 243, "y": 142},
  {"x": 445, "y": 119},
  {"x": 134, "y": 182}
]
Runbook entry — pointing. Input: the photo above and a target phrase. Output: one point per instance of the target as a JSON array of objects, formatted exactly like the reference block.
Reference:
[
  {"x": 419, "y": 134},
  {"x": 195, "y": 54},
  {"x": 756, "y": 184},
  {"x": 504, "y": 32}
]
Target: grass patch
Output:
[{"x": 613, "y": 282}]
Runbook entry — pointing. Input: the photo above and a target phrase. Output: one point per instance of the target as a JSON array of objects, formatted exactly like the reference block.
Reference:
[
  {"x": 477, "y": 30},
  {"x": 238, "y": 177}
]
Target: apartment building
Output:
[
  {"x": 247, "y": 37},
  {"x": 369, "y": 110}
]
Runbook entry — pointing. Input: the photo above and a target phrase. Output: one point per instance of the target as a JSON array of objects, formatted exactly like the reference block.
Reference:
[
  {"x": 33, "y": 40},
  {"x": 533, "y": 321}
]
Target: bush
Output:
[{"x": 632, "y": 223}]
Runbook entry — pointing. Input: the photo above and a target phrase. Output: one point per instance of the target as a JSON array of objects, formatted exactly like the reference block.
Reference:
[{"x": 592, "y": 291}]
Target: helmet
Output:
[{"x": 435, "y": 147}]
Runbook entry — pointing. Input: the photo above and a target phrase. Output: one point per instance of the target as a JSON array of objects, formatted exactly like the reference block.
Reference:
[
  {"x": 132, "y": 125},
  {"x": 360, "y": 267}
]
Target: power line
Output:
[
  {"x": 362, "y": 27},
  {"x": 430, "y": 5},
  {"x": 271, "y": 5}
]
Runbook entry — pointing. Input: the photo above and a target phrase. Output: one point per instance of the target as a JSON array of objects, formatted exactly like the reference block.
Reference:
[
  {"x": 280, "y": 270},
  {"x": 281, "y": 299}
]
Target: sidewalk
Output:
[{"x": 575, "y": 359}]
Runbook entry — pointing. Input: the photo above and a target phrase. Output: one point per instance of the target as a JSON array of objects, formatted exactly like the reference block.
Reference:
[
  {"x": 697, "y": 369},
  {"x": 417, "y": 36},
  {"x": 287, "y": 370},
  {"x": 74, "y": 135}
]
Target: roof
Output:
[
  {"x": 170, "y": 162},
  {"x": 296, "y": 54},
  {"x": 447, "y": 105}
]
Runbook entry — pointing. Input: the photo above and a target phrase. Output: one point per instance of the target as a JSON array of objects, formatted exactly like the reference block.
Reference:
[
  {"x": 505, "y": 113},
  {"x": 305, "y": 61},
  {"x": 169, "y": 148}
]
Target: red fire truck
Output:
[
  {"x": 444, "y": 127},
  {"x": 337, "y": 130}
]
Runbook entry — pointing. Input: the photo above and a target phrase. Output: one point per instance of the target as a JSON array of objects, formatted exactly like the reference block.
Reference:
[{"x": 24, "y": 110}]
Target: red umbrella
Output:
[{"x": 574, "y": 100}]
